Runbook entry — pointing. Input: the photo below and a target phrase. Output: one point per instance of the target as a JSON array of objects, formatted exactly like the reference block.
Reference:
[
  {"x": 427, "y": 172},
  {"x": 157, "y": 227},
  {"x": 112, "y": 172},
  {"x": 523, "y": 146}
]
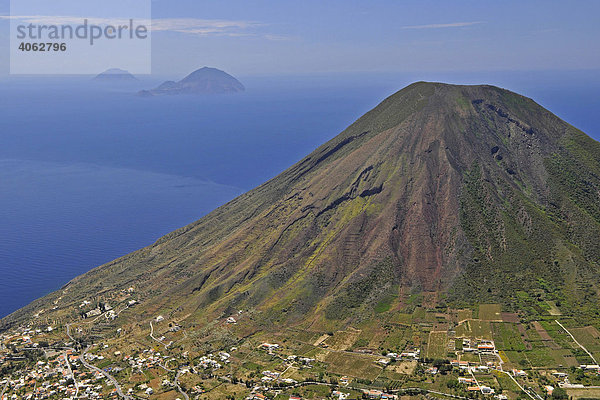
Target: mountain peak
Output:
[{"x": 459, "y": 193}]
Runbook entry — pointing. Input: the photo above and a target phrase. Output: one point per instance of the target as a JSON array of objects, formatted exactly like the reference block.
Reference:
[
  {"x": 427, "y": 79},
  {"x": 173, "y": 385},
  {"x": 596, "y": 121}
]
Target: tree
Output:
[
  {"x": 452, "y": 384},
  {"x": 559, "y": 393}
]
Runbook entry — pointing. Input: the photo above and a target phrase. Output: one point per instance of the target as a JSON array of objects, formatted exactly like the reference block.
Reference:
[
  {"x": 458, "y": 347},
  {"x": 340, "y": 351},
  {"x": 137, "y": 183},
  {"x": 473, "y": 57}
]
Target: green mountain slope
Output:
[{"x": 459, "y": 193}]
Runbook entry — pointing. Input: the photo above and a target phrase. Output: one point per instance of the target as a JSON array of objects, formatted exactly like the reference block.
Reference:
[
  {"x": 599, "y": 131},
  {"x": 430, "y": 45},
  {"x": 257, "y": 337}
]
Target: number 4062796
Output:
[{"x": 42, "y": 46}]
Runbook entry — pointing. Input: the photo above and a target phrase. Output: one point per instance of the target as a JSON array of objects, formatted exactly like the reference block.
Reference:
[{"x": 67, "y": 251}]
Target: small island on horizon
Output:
[
  {"x": 205, "y": 80},
  {"x": 115, "y": 75}
]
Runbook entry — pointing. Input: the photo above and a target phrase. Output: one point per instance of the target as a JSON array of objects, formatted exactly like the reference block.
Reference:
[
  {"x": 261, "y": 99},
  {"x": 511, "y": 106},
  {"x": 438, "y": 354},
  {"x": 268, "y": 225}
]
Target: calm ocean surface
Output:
[{"x": 89, "y": 173}]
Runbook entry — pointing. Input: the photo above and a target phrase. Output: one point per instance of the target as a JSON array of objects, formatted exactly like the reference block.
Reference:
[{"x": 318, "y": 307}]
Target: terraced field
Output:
[
  {"x": 490, "y": 312},
  {"x": 437, "y": 345},
  {"x": 475, "y": 328}
]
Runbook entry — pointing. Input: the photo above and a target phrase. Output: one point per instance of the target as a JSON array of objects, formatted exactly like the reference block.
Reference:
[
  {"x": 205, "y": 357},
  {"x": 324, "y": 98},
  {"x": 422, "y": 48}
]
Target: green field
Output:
[
  {"x": 475, "y": 328},
  {"x": 507, "y": 337},
  {"x": 355, "y": 365},
  {"x": 564, "y": 357},
  {"x": 490, "y": 312},
  {"x": 589, "y": 337},
  {"x": 465, "y": 314},
  {"x": 541, "y": 357},
  {"x": 397, "y": 338},
  {"x": 342, "y": 340},
  {"x": 400, "y": 318},
  {"x": 437, "y": 345},
  {"x": 584, "y": 393},
  {"x": 423, "y": 315},
  {"x": 517, "y": 358}
]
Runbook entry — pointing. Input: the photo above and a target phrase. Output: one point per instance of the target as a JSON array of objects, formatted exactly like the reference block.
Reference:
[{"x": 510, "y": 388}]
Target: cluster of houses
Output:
[
  {"x": 305, "y": 361},
  {"x": 60, "y": 376},
  {"x": 232, "y": 320},
  {"x": 482, "y": 346},
  {"x": 469, "y": 366},
  {"x": 23, "y": 337},
  {"x": 411, "y": 353},
  {"x": 474, "y": 387},
  {"x": 105, "y": 308},
  {"x": 148, "y": 359},
  {"x": 209, "y": 362},
  {"x": 57, "y": 381},
  {"x": 269, "y": 347},
  {"x": 144, "y": 388}
]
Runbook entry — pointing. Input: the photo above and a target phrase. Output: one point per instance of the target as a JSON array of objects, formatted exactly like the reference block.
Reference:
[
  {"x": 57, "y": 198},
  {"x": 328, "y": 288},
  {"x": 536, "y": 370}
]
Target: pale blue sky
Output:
[{"x": 256, "y": 37}]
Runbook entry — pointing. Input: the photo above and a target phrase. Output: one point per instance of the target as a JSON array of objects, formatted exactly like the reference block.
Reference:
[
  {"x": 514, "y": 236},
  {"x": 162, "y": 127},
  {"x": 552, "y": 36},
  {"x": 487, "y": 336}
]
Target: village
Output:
[
  {"x": 87, "y": 359},
  {"x": 64, "y": 373}
]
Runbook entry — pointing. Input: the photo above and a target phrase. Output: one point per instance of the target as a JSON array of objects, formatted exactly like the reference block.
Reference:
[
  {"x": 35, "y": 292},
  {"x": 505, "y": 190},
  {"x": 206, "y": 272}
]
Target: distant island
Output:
[
  {"x": 115, "y": 75},
  {"x": 202, "y": 81}
]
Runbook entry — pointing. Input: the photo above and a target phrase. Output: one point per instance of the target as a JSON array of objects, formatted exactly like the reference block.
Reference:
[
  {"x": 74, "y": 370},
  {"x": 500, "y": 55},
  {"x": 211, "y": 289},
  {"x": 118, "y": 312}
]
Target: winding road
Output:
[
  {"x": 176, "y": 381},
  {"x": 106, "y": 375},
  {"x": 184, "y": 394},
  {"x": 152, "y": 336}
]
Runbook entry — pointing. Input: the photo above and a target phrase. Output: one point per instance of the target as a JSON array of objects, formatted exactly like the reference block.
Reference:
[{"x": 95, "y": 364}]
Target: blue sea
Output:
[{"x": 91, "y": 172}]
